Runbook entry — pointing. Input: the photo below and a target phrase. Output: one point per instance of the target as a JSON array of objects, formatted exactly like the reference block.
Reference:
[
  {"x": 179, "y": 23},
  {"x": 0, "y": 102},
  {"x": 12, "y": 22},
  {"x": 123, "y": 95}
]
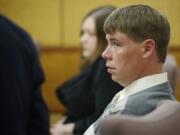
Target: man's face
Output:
[{"x": 124, "y": 58}]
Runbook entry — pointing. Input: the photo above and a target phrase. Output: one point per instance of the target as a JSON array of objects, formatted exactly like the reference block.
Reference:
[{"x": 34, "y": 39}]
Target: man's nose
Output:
[{"x": 106, "y": 53}]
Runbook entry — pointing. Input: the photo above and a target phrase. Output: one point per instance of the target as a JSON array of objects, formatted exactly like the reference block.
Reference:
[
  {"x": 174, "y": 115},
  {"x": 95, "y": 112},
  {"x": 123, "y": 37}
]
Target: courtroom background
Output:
[{"x": 55, "y": 26}]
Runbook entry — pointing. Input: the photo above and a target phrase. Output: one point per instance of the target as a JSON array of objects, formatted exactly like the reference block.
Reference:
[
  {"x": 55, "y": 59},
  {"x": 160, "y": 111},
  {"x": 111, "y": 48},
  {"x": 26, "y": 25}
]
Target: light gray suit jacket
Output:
[{"x": 139, "y": 103}]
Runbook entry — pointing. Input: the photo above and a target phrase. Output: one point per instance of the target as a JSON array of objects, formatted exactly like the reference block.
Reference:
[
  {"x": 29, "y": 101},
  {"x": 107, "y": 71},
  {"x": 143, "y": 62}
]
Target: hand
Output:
[
  {"x": 62, "y": 120},
  {"x": 53, "y": 129},
  {"x": 60, "y": 128}
]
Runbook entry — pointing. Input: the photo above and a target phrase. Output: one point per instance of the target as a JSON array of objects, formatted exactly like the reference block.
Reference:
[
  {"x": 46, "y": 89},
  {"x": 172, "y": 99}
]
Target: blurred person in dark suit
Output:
[{"x": 23, "y": 110}]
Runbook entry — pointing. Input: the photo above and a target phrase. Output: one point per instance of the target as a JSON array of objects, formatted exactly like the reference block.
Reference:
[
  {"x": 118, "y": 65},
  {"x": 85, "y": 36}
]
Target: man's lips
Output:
[{"x": 110, "y": 69}]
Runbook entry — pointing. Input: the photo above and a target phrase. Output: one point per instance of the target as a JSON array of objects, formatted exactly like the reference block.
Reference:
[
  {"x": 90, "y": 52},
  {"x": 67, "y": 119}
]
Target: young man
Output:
[{"x": 138, "y": 38}]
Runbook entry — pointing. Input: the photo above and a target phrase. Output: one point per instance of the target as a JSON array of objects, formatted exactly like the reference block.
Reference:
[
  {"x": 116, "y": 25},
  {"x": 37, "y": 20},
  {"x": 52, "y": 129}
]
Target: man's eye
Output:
[{"x": 116, "y": 44}]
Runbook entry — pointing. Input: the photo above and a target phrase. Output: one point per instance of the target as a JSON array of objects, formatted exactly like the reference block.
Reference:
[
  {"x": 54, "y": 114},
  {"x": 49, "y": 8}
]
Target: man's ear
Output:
[{"x": 148, "y": 47}]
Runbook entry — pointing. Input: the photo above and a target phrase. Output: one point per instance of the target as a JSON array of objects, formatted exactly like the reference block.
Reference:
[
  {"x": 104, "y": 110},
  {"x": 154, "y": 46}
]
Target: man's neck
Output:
[{"x": 151, "y": 69}]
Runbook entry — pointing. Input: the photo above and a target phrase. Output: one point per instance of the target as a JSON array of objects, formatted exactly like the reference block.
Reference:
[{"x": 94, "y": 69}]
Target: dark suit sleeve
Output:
[
  {"x": 103, "y": 91},
  {"x": 39, "y": 111},
  {"x": 38, "y": 115},
  {"x": 74, "y": 94},
  {"x": 68, "y": 87},
  {"x": 24, "y": 111}
]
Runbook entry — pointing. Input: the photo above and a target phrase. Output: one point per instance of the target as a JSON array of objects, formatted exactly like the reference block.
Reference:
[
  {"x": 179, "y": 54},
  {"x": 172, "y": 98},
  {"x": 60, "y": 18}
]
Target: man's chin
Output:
[
  {"x": 114, "y": 78},
  {"x": 117, "y": 80}
]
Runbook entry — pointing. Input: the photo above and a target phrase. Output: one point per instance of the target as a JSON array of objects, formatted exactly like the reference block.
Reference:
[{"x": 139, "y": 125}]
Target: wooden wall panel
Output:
[
  {"x": 41, "y": 18},
  {"x": 57, "y": 22},
  {"x": 59, "y": 65}
]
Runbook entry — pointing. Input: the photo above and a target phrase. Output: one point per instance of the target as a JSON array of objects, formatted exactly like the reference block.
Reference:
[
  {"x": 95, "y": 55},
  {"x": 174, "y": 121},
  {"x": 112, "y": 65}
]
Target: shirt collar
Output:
[{"x": 142, "y": 84}]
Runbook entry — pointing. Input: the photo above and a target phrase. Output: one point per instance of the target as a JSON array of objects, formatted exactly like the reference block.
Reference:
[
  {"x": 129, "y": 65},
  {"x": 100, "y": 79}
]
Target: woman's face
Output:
[{"x": 88, "y": 38}]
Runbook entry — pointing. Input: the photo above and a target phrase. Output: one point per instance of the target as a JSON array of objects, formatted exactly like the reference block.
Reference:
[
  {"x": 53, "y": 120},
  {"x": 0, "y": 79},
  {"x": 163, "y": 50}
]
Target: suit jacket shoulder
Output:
[{"x": 145, "y": 101}]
